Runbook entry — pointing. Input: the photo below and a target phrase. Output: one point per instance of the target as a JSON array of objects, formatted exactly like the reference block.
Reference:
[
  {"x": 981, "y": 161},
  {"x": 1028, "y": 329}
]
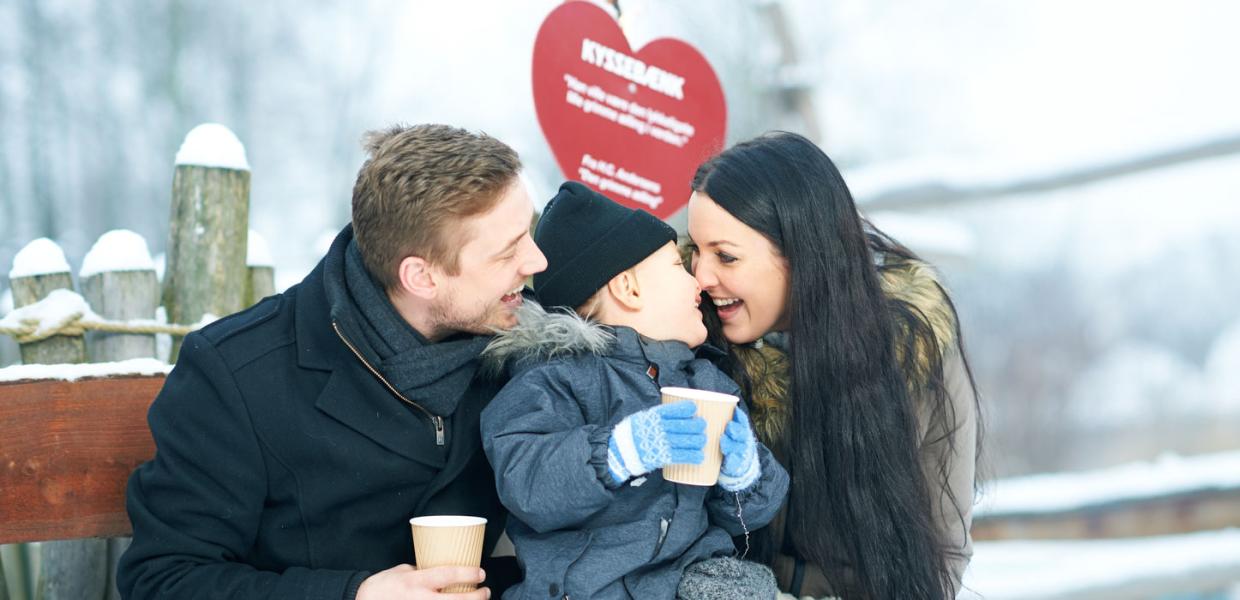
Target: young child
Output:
[{"x": 578, "y": 437}]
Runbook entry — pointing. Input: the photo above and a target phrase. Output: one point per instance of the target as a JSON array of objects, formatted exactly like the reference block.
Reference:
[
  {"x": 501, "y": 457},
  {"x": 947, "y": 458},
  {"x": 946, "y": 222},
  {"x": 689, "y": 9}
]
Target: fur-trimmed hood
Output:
[
  {"x": 917, "y": 284},
  {"x": 768, "y": 367},
  {"x": 540, "y": 336}
]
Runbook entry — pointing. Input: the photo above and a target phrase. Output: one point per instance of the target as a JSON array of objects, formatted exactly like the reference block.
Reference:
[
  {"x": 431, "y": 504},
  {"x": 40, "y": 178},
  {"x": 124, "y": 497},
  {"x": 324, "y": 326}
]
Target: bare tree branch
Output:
[{"x": 936, "y": 194}]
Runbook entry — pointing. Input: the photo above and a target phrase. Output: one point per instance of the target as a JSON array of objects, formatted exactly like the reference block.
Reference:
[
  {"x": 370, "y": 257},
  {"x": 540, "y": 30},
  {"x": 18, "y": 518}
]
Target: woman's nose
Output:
[{"x": 705, "y": 277}]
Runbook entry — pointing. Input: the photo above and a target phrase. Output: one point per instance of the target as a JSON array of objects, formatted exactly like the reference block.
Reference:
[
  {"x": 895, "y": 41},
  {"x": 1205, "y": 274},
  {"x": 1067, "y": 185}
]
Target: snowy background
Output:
[{"x": 1102, "y": 317}]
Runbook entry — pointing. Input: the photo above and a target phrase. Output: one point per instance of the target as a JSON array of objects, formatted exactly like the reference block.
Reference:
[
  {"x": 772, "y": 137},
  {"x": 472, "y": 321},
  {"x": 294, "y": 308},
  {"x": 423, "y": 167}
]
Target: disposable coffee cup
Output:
[
  {"x": 448, "y": 541},
  {"x": 716, "y": 409}
]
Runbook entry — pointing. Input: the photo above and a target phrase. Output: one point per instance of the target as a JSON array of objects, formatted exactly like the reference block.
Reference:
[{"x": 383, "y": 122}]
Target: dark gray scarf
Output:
[{"x": 435, "y": 375}]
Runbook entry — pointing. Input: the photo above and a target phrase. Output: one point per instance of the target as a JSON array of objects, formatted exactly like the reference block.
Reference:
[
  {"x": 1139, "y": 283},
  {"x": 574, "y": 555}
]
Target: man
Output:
[{"x": 296, "y": 439}]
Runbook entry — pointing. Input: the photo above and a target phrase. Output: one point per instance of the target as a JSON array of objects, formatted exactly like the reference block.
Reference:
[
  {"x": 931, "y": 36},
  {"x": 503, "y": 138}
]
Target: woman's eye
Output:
[{"x": 726, "y": 258}]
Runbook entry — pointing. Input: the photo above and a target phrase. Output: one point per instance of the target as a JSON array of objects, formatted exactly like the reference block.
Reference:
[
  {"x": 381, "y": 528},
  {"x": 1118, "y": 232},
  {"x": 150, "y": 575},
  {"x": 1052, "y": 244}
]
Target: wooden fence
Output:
[
  {"x": 68, "y": 447},
  {"x": 1163, "y": 529}
]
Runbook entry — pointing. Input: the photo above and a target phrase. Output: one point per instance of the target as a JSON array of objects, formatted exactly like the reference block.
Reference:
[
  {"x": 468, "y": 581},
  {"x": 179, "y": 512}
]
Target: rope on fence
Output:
[{"x": 34, "y": 330}]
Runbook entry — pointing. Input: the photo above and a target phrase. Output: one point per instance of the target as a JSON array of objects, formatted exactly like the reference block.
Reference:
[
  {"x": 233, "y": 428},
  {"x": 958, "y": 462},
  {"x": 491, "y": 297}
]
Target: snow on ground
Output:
[
  {"x": 117, "y": 250},
  {"x": 212, "y": 145},
  {"x": 73, "y": 372},
  {"x": 1169, "y": 474},
  {"x": 1117, "y": 568},
  {"x": 39, "y": 257}
]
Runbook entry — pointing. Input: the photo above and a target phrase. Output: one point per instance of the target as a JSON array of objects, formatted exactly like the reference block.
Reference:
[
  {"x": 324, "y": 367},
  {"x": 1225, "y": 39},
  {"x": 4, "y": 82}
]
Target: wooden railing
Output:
[{"x": 67, "y": 448}]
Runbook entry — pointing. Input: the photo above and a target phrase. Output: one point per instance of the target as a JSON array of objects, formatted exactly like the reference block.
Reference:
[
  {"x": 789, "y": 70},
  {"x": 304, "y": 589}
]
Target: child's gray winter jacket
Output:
[{"x": 546, "y": 436}]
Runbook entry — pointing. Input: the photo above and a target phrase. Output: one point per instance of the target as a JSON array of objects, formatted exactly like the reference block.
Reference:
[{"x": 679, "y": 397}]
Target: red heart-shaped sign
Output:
[{"x": 632, "y": 125}]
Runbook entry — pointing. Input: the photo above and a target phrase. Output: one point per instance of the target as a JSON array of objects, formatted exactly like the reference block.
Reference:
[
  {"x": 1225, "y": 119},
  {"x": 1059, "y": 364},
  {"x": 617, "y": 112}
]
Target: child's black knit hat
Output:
[{"x": 588, "y": 239}]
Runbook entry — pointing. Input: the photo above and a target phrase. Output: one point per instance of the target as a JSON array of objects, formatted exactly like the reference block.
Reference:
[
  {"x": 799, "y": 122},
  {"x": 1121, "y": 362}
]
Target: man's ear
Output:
[
  {"x": 418, "y": 277},
  {"x": 625, "y": 289}
]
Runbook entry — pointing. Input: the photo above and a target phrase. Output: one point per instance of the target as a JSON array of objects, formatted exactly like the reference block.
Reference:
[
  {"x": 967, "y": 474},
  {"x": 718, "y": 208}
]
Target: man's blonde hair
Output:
[{"x": 416, "y": 187}]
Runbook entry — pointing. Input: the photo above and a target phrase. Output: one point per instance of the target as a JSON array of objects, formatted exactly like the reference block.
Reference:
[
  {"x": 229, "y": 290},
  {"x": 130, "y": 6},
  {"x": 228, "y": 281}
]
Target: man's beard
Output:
[{"x": 449, "y": 318}]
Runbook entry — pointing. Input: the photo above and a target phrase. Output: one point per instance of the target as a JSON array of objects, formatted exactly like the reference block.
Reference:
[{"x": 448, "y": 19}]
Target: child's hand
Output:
[
  {"x": 740, "y": 454},
  {"x": 656, "y": 437}
]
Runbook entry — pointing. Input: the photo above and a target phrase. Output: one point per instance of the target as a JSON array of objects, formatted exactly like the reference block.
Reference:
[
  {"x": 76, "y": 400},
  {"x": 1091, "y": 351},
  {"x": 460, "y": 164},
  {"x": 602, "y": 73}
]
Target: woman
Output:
[{"x": 850, "y": 352}]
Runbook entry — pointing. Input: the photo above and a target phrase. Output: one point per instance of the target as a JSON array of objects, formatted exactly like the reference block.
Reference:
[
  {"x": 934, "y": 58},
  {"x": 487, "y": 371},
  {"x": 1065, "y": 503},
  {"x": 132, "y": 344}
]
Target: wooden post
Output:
[
  {"x": 15, "y": 556},
  {"x": 71, "y": 569},
  {"x": 39, "y": 268},
  {"x": 261, "y": 280},
  {"x": 206, "y": 270},
  {"x": 9, "y": 352},
  {"x": 119, "y": 282}
]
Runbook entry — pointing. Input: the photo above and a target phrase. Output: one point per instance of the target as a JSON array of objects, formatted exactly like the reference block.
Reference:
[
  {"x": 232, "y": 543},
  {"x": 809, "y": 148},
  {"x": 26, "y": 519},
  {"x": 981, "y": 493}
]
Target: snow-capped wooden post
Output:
[
  {"x": 261, "y": 279},
  {"x": 207, "y": 237},
  {"x": 118, "y": 281},
  {"x": 39, "y": 268},
  {"x": 73, "y": 568}
]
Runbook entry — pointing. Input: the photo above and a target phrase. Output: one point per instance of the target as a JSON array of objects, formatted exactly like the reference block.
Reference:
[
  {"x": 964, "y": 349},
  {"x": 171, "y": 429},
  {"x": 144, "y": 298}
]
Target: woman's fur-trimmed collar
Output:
[
  {"x": 917, "y": 284},
  {"x": 912, "y": 282}
]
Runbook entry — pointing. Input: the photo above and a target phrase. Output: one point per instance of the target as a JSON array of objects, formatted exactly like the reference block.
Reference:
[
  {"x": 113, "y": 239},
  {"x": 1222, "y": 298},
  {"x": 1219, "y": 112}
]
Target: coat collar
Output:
[
  {"x": 632, "y": 347},
  {"x": 318, "y": 346},
  {"x": 354, "y": 396}
]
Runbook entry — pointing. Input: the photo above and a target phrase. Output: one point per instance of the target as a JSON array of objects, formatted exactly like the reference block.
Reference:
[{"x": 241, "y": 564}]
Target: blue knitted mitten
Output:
[
  {"x": 656, "y": 437},
  {"x": 740, "y": 454}
]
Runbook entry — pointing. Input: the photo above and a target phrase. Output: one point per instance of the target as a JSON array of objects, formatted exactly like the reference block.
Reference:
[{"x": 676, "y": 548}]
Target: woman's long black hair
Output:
[{"x": 858, "y": 491}]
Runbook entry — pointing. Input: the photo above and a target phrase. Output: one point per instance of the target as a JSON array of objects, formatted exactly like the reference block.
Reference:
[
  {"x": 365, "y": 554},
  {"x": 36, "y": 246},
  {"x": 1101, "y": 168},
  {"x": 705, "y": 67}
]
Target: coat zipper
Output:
[
  {"x": 652, "y": 372},
  {"x": 435, "y": 419}
]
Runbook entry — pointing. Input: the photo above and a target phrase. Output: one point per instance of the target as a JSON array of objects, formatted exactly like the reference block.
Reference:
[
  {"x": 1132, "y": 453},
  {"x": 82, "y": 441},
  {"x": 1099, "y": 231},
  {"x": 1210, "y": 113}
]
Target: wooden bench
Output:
[{"x": 66, "y": 452}]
